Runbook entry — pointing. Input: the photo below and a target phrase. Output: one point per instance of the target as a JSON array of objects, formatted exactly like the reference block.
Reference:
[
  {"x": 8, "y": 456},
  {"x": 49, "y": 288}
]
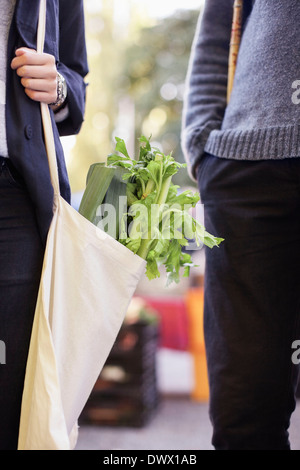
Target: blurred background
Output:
[
  {"x": 138, "y": 52},
  {"x": 153, "y": 391}
]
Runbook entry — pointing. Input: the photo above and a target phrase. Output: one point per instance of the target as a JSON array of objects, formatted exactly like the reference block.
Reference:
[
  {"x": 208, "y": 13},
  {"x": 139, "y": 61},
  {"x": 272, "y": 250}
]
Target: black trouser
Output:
[
  {"x": 252, "y": 299},
  {"x": 21, "y": 256}
]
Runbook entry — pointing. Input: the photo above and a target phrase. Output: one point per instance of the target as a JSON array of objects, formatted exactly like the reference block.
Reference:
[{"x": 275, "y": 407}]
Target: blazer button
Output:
[{"x": 28, "y": 131}]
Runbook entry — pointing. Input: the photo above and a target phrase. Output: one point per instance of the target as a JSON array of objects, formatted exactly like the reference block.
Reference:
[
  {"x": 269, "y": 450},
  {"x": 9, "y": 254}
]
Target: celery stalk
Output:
[{"x": 146, "y": 184}]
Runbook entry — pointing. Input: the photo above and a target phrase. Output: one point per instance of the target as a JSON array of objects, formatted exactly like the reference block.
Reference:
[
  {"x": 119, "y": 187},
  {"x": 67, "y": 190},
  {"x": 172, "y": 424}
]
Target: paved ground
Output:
[{"x": 179, "y": 424}]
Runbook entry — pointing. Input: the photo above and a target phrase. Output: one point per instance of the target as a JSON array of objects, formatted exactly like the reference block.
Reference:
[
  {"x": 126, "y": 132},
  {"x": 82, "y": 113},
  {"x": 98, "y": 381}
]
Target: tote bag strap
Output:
[
  {"x": 46, "y": 118},
  {"x": 235, "y": 40}
]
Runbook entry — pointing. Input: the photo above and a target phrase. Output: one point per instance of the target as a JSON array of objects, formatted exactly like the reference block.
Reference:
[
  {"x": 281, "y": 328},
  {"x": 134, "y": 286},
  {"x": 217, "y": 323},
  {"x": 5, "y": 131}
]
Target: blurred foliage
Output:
[
  {"x": 156, "y": 66},
  {"x": 94, "y": 140},
  {"x": 136, "y": 86}
]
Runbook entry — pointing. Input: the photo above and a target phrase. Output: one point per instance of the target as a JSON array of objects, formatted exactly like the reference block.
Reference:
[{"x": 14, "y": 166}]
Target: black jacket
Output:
[{"x": 65, "y": 39}]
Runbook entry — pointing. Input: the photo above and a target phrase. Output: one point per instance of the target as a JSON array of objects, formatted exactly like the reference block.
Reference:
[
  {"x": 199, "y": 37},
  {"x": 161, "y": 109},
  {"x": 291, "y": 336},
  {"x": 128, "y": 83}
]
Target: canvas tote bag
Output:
[{"x": 87, "y": 282}]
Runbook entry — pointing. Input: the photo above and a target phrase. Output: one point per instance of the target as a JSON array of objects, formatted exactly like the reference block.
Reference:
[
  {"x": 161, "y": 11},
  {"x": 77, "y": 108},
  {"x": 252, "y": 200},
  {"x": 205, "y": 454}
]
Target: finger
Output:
[
  {"x": 24, "y": 50},
  {"x": 39, "y": 96},
  {"x": 22, "y": 57},
  {"x": 47, "y": 86},
  {"x": 36, "y": 71},
  {"x": 30, "y": 57}
]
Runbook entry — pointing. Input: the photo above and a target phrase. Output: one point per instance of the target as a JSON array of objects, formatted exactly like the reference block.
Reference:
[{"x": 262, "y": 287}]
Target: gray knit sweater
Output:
[{"x": 261, "y": 120}]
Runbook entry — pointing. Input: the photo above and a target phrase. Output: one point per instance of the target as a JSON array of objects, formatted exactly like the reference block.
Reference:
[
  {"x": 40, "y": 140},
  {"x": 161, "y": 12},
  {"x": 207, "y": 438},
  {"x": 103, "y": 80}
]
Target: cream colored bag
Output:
[{"x": 87, "y": 283}]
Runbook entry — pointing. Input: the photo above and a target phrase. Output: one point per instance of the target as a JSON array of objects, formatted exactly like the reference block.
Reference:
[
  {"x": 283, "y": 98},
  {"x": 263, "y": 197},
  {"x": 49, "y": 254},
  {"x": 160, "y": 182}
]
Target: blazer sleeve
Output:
[
  {"x": 206, "y": 83},
  {"x": 72, "y": 63}
]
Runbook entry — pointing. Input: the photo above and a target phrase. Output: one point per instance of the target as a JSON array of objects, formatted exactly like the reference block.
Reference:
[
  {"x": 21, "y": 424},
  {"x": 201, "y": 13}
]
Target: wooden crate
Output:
[{"x": 126, "y": 393}]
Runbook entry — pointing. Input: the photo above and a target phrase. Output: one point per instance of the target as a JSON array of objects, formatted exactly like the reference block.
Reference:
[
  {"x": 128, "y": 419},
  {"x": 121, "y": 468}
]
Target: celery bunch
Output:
[{"x": 153, "y": 219}]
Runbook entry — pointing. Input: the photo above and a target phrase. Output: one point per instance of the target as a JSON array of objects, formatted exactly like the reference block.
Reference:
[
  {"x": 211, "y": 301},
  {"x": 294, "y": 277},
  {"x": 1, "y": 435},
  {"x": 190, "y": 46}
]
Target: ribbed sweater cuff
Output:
[
  {"x": 255, "y": 144},
  {"x": 193, "y": 143}
]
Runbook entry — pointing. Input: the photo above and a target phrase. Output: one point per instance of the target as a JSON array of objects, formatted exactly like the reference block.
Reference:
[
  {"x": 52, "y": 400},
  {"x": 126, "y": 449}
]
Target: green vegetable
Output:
[
  {"x": 98, "y": 180},
  {"x": 156, "y": 221}
]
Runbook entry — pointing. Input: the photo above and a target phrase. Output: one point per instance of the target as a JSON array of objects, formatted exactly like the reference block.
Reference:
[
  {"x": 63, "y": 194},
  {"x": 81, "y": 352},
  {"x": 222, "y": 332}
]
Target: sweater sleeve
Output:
[{"x": 206, "y": 83}]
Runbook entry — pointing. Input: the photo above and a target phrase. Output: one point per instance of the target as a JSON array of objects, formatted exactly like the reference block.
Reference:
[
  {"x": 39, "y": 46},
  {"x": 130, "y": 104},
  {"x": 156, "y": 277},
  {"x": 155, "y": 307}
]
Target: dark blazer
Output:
[{"x": 65, "y": 39}]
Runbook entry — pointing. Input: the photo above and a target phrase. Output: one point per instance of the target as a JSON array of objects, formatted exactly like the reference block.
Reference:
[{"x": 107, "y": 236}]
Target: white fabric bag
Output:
[{"x": 88, "y": 280}]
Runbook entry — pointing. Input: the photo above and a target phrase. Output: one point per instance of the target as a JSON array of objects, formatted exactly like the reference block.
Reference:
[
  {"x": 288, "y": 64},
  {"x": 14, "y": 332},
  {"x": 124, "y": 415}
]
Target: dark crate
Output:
[
  {"x": 126, "y": 393},
  {"x": 117, "y": 414}
]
